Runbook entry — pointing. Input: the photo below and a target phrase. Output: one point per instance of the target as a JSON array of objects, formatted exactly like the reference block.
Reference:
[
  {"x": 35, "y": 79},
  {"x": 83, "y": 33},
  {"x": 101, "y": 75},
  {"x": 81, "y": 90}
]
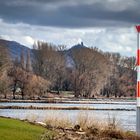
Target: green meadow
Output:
[{"x": 11, "y": 129}]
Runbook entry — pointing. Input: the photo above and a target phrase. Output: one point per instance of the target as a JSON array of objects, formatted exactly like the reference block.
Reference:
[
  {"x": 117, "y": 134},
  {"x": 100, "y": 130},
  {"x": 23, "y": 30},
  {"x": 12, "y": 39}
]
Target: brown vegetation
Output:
[
  {"x": 61, "y": 108},
  {"x": 87, "y": 129},
  {"x": 89, "y": 75},
  {"x": 45, "y": 69}
]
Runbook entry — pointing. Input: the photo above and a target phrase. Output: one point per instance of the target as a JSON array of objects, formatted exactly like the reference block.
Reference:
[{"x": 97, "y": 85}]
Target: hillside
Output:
[{"x": 15, "y": 48}]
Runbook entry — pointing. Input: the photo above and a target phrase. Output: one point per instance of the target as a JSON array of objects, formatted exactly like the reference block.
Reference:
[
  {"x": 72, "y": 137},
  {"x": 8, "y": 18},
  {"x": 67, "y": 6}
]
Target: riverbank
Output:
[
  {"x": 11, "y": 129},
  {"x": 64, "y": 108},
  {"x": 76, "y": 100}
]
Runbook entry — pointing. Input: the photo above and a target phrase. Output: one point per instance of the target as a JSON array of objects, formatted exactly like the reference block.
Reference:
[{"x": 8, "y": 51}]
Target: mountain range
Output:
[{"x": 15, "y": 48}]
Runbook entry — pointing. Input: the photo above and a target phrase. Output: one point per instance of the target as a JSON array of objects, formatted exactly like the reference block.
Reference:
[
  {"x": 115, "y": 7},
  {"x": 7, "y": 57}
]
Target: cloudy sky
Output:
[{"x": 106, "y": 24}]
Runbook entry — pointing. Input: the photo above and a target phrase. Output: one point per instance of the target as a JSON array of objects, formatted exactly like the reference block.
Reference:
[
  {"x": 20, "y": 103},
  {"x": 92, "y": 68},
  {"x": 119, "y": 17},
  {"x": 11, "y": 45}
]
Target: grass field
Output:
[{"x": 11, "y": 129}]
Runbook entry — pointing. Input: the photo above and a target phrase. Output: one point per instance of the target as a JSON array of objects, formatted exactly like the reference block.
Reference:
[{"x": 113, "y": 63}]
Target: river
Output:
[{"x": 126, "y": 119}]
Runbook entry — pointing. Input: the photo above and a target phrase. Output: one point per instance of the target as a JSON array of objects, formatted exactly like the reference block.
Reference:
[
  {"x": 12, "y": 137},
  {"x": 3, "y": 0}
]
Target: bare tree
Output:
[
  {"x": 4, "y": 65},
  {"x": 28, "y": 62},
  {"x": 4, "y": 84},
  {"x": 36, "y": 86},
  {"x": 4, "y": 59},
  {"x": 22, "y": 59},
  {"x": 29, "y": 84},
  {"x": 88, "y": 71},
  {"x": 49, "y": 63}
]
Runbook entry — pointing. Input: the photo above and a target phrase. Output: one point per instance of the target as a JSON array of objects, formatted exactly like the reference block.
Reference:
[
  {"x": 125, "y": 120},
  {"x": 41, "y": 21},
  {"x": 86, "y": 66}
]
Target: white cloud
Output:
[
  {"x": 24, "y": 40},
  {"x": 122, "y": 40},
  {"x": 29, "y": 40}
]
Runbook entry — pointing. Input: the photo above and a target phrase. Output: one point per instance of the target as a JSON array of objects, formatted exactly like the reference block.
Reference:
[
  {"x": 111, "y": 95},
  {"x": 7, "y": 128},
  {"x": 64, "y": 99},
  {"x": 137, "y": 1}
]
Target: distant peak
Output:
[{"x": 79, "y": 45}]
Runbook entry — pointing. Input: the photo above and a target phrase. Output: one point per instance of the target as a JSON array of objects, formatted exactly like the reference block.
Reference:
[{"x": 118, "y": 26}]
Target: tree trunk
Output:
[
  {"x": 22, "y": 94},
  {"x": 14, "y": 95},
  {"x": 5, "y": 96},
  {"x": 14, "y": 91}
]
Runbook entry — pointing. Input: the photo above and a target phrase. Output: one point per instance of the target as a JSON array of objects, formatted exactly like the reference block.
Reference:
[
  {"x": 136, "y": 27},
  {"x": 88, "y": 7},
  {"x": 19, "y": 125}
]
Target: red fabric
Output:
[
  {"x": 138, "y": 57},
  {"x": 138, "y": 89},
  {"x": 138, "y": 28}
]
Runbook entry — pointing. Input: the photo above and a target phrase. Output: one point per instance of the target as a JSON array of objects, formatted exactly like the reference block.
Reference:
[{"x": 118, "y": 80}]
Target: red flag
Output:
[{"x": 138, "y": 28}]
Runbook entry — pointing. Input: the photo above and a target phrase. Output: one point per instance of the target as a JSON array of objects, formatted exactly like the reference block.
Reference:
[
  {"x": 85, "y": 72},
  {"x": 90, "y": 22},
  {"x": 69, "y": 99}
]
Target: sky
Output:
[{"x": 106, "y": 24}]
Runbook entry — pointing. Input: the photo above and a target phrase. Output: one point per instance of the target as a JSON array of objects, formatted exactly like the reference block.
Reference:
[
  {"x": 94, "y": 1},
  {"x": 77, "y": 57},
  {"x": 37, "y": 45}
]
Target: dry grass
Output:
[
  {"x": 86, "y": 122},
  {"x": 31, "y": 117},
  {"x": 92, "y": 128},
  {"x": 62, "y": 122}
]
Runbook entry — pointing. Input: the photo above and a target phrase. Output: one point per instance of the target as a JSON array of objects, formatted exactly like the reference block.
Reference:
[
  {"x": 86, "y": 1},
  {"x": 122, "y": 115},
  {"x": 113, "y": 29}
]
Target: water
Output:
[{"x": 127, "y": 119}]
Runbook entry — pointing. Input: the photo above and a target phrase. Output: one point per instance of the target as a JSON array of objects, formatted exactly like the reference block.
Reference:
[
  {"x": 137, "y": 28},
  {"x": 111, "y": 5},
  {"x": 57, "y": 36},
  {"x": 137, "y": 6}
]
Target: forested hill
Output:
[
  {"x": 15, "y": 48},
  {"x": 87, "y": 72}
]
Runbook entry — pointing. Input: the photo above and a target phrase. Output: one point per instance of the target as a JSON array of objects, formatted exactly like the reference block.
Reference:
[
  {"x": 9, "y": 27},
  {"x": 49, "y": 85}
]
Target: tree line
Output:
[{"x": 45, "y": 69}]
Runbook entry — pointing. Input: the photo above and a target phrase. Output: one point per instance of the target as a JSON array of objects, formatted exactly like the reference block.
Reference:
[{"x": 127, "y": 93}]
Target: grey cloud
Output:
[
  {"x": 112, "y": 39},
  {"x": 71, "y": 14}
]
